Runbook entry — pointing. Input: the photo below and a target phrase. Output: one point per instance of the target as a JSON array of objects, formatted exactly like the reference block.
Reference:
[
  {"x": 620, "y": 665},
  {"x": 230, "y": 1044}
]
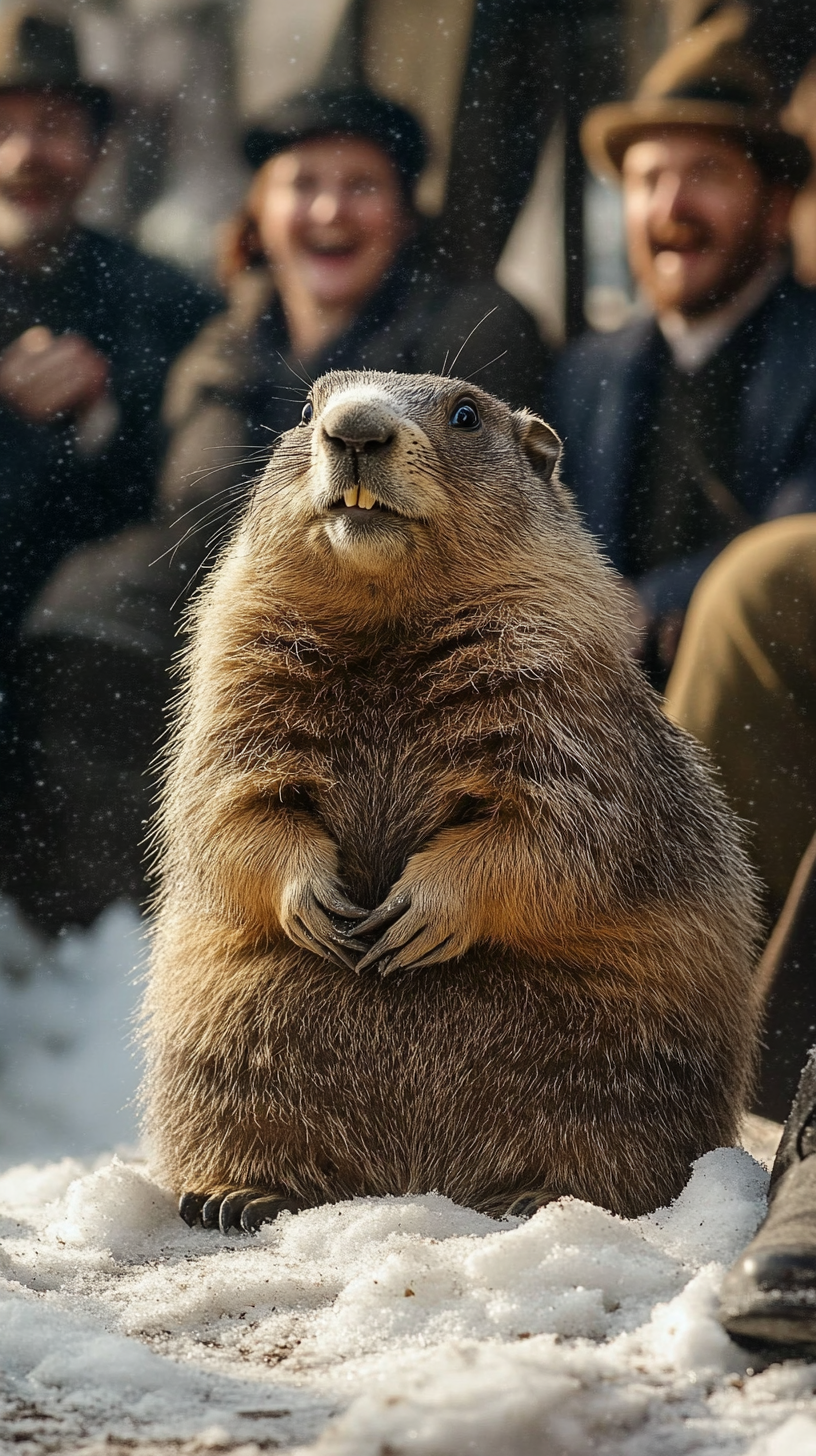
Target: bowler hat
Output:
[
  {"x": 38, "y": 52},
  {"x": 355, "y": 112},
  {"x": 709, "y": 77}
]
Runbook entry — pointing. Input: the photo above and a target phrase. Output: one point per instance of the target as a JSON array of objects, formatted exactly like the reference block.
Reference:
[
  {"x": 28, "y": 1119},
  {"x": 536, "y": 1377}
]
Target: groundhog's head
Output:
[{"x": 408, "y": 486}]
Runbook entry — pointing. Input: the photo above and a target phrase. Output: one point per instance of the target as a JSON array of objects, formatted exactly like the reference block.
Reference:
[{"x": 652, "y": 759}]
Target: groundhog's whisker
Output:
[
  {"x": 224, "y": 508},
  {"x": 467, "y": 340},
  {"x": 212, "y": 545},
  {"x": 304, "y": 380},
  {"x": 494, "y": 360}
]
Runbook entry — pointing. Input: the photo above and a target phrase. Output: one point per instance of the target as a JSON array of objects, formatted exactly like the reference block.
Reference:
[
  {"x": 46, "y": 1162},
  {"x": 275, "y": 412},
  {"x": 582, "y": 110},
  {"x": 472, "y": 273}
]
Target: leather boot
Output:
[{"x": 768, "y": 1296}]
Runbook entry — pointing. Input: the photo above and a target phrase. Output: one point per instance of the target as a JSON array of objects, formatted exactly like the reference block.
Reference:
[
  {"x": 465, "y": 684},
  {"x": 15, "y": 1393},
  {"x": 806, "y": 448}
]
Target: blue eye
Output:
[
  {"x": 465, "y": 416},
  {"x": 307, "y": 413}
]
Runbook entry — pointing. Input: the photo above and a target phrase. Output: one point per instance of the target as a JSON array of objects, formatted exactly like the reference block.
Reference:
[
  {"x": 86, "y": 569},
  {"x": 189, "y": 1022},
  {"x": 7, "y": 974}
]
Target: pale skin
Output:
[
  {"x": 701, "y": 220},
  {"x": 48, "y": 151},
  {"x": 331, "y": 216}
]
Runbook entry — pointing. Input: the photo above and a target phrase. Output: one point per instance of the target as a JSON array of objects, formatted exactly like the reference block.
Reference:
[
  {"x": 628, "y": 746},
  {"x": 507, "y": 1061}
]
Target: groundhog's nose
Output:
[{"x": 359, "y": 425}]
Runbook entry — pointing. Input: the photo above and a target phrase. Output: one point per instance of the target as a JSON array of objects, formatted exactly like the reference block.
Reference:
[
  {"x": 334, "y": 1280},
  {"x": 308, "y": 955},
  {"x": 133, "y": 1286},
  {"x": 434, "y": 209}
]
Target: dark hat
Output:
[
  {"x": 38, "y": 52},
  {"x": 341, "y": 113},
  {"x": 708, "y": 77}
]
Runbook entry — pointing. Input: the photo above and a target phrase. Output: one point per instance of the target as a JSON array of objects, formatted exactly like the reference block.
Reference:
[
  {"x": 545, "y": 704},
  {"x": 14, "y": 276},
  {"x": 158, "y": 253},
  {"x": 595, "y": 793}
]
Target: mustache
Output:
[{"x": 679, "y": 237}]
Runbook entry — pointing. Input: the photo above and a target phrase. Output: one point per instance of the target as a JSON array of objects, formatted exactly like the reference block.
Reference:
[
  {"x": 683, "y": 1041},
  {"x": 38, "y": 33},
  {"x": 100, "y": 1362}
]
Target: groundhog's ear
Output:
[{"x": 539, "y": 442}]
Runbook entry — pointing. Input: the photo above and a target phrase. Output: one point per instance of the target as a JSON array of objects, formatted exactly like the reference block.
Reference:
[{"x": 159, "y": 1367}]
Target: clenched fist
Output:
[{"x": 43, "y": 377}]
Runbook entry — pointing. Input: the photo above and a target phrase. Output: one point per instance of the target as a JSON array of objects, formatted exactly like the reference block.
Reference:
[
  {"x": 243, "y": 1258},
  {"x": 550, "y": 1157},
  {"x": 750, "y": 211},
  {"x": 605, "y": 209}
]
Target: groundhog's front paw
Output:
[
  {"x": 316, "y": 917},
  {"x": 425, "y": 926},
  {"x": 238, "y": 1208}
]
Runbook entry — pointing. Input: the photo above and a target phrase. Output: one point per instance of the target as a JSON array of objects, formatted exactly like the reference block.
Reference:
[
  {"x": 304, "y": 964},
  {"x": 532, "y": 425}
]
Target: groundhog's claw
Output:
[
  {"x": 310, "y": 926},
  {"x": 264, "y": 1210},
  {"x": 423, "y": 929},
  {"x": 245, "y": 1209},
  {"x": 529, "y": 1203},
  {"x": 301, "y": 935},
  {"x": 190, "y": 1206},
  {"x": 390, "y": 909},
  {"x": 406, "y": 945},
  {"x": 339, "y": 904}
]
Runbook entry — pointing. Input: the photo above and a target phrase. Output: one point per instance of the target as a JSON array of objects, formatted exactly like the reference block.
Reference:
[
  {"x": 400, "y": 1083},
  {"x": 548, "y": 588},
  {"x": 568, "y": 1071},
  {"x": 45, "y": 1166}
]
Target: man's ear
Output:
[{"x": 539, "y": 442}]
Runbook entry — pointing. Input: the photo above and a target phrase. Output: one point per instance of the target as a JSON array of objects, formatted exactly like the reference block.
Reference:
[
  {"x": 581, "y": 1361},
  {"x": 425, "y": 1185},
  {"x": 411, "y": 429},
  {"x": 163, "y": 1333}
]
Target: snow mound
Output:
[
  {"x": 68, "y": 1069},
  {"x": 393, "y": 1325}
]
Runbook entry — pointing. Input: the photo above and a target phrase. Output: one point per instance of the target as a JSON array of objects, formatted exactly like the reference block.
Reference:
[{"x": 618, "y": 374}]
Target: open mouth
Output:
[
  {"x": 680, "y": 246},
  {"x": 332, "y": 252}
]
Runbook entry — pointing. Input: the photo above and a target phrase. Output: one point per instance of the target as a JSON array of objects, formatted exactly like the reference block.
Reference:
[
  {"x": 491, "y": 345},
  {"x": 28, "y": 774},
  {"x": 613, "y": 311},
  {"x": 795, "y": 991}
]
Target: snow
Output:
[
  {"x": 68, "y": 1068},
  {"x": 378, "y": 1327}
]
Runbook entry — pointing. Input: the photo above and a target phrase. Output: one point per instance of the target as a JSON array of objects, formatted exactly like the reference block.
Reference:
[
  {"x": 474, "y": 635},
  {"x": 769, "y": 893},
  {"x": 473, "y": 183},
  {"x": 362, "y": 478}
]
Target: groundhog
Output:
[{"x": 446, "y": 902}]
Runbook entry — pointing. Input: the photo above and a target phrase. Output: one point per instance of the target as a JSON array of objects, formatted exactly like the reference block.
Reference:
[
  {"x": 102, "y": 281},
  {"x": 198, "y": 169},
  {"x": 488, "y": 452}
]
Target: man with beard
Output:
[{"x": 687, "y": 427}]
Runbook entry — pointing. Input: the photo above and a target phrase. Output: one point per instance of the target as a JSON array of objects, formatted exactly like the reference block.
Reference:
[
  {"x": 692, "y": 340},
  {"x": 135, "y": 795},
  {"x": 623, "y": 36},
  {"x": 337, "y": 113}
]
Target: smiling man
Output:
[
  {"x": 88, "y": 325},
  {"x": 691, "y": 425}
]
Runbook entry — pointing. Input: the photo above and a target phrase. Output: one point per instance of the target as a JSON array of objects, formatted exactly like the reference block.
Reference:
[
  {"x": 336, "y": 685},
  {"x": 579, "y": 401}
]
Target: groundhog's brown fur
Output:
[{"x": 436, "y": 702}]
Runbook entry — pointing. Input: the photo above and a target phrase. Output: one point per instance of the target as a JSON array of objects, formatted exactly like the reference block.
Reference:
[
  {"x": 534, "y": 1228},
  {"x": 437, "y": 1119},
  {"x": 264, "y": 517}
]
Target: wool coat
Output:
[
  {"x": 55, "y": 491},
  {"x": 603, "y": 399}
]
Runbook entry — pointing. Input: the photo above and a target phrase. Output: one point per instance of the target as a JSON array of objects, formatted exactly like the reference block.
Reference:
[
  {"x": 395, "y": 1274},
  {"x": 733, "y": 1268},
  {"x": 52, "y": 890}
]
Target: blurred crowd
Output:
[{"x": 137, "y": 404}]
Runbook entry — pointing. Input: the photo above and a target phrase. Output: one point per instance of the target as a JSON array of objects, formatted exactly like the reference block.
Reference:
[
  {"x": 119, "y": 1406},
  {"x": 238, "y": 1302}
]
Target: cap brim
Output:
[
  {"x": 97, "y": 99},
  {"x": 609, "y": 130}
]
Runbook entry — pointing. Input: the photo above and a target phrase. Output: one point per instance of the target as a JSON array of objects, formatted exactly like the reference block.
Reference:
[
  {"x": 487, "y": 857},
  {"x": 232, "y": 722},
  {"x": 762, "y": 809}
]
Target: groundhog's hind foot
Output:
[
  {"x": 240, "y": 1208},
  {"x": 529, "y": 1203}
]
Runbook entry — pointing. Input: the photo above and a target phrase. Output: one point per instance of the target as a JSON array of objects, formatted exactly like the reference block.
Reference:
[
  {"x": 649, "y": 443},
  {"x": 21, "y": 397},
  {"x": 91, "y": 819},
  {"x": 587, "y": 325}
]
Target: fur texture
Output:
[{"x": 431, "y": 706}]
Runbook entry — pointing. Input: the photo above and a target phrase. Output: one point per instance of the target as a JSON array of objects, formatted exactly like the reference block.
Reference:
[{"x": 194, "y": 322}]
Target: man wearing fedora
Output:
[
  {"x": 691, "y": 425},
  {"x": 88, "y": 326}
]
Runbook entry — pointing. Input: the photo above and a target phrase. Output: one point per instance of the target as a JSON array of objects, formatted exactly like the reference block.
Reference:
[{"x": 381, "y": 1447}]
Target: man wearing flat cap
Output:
[
  {"x": 689, "y": 426},
  {"x": 88, "y": 325}
]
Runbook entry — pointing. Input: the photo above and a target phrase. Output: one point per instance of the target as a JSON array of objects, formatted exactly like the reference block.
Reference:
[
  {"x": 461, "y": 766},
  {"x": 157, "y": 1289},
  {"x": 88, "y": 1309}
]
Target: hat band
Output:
[{"x": 713, "y": 91}]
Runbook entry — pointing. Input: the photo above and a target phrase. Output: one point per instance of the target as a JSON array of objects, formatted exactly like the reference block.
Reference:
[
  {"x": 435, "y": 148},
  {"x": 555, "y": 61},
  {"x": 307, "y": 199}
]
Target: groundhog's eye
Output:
[
  {"x": 307, "y": 413},
  {"x": 465, "y": 416}
]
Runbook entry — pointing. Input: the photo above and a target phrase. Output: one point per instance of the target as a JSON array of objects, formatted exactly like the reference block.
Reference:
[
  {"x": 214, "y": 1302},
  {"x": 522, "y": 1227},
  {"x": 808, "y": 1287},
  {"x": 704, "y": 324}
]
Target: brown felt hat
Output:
[
  {"x": 38, "y": 52},
  {"x": 709, "y": 77}
]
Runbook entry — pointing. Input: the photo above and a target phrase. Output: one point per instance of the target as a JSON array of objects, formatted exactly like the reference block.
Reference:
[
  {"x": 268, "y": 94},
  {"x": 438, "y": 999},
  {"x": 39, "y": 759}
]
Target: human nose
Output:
[
  {"x": 667, "y": 197},
  {"x": 326, "y": 206},
  {"x": 15, "y": 150}
]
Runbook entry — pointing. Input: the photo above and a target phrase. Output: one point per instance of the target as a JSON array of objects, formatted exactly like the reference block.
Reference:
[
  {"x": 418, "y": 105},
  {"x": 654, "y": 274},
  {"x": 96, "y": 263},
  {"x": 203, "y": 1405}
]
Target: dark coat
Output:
[
  {"x": 602, "y": 401},
  {"x": 140, "y": 313},
  {"x": 32, "y": 520}
]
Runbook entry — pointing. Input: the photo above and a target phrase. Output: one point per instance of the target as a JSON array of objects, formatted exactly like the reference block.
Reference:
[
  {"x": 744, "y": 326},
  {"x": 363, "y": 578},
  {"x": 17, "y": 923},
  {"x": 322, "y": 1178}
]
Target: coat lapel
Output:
[
  {"x": 780, "y": 398},
  {"x": 622, "y": 406}
]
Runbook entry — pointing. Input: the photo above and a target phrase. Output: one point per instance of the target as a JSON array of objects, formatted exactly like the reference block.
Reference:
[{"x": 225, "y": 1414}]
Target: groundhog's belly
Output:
[{"x": 480, "y": 1079}]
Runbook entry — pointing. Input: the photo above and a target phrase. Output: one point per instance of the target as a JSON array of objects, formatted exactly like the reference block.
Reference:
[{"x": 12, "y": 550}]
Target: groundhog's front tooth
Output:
[
  {"x": 350, "y": 495},
  {"x": 366, "y": 499}
]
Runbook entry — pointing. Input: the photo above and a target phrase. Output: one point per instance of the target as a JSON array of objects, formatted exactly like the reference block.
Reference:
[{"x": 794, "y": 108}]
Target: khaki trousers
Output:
[{"x": 744, "y": 683}]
